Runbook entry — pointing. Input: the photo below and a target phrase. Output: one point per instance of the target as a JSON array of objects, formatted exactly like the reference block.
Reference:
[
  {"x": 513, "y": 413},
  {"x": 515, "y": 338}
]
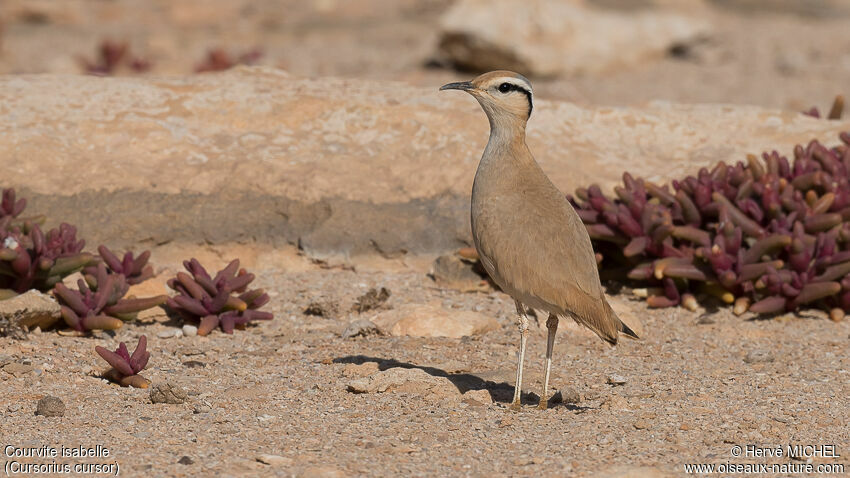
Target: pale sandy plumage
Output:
[{"x": 530, "y": 239}]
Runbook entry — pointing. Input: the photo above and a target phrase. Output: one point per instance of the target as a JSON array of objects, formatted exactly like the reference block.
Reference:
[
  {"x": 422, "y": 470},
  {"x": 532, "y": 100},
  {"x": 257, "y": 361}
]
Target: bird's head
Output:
[{"x": 504, "y": 95}]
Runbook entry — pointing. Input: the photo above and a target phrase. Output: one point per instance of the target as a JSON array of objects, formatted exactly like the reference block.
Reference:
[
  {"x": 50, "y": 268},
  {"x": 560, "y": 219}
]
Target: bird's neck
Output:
[{"x": 506, "y": 135}]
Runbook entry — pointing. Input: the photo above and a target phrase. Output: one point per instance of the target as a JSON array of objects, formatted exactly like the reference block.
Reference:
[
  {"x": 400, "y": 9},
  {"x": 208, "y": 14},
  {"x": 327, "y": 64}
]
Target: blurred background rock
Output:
[{"x": 779, "y": 53}]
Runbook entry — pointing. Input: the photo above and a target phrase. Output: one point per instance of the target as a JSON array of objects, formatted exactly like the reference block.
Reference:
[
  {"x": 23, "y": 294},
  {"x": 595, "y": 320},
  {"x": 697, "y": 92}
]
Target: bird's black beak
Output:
[{"x": 460, "y": 85}]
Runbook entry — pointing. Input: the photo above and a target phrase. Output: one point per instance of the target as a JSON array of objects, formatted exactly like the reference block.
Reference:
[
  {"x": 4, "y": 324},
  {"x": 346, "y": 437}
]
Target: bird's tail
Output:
[
  {"x": 622, "y": 328},
  {"x": 625, "y": 330}
]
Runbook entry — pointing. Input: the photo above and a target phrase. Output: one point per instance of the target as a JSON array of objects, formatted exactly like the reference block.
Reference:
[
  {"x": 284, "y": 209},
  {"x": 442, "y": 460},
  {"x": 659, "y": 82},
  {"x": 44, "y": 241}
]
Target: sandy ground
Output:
[{"x": 695, "y": 386}]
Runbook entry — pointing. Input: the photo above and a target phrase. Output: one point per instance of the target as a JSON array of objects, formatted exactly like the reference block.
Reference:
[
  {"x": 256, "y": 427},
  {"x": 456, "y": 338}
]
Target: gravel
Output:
[{"x": 280, "y": 388}]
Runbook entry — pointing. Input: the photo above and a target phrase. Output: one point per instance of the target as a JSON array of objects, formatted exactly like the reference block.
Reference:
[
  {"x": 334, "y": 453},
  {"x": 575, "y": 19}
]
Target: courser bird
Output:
[{"x": 530, "y": 240}]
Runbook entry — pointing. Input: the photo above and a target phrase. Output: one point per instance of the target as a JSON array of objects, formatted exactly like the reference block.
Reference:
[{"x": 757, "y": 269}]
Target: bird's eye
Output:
[{"x": 505, "y": 87}]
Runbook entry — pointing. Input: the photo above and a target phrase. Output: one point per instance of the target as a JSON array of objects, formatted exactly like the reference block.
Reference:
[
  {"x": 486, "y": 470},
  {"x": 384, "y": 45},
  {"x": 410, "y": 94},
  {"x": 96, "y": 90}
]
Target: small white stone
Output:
[
  {"x": 190, "y": 330},
  {"x": 615, "y": 379},
  {"x": 169, "y": 333}
]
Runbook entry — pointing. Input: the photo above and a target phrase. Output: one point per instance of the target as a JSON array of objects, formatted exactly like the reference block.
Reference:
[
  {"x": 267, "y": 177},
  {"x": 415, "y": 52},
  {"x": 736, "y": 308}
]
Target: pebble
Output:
[
  {"x": 169, "y": 333},
  {"x": 50, "y": 406},
  {"x": 167, "y": 392},
  {"x": 359, "y": 370},
  {"x": 192, "y": 350},
  {"x": 395, "y": 378},
  {"x": 759, "y": 356},
  {"x": 18, "y": 369},
  {"x": 640, "y": 424},
  {"x": 274, "y": 460},
  {"x": 201, "y": 408},
  {"x": 190, "y": 330},
  {"x": 185, "y": 460},
  {"x": 372, "y": 299},
  {"x": 567, "y": 395},
  {"x": 326, "y": 308},
  {"x": 615, "y": 380},
  {"x": 14, "y": 407},
  {"x": 360, "y": 328}
]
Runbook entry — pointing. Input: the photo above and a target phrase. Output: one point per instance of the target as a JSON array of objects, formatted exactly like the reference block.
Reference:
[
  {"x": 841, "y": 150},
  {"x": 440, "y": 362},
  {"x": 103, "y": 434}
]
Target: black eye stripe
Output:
[{"x": 506, "y": 87}]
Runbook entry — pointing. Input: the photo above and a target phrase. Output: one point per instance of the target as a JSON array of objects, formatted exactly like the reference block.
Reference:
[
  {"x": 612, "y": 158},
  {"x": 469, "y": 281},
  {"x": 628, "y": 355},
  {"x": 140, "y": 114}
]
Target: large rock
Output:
[
  {"x": 432, "y": 320},
  {"x": 554, "y": 37},
  {"x": 337, "y": 166}
]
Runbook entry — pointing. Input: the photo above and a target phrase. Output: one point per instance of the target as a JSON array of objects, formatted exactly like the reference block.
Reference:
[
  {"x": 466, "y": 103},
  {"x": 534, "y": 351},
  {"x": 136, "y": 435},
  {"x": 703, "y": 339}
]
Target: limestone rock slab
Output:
[{"x": 334, "y": 165}]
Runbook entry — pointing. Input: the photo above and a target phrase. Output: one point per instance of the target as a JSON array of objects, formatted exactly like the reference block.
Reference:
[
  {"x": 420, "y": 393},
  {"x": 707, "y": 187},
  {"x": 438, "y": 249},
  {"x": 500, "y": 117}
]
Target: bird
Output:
[{"x": 530, "y": 240}]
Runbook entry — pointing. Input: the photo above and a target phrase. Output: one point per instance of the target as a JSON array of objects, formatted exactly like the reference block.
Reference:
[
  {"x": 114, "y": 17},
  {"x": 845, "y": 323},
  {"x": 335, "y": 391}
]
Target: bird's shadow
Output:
[{"x": 501, "y": 392}]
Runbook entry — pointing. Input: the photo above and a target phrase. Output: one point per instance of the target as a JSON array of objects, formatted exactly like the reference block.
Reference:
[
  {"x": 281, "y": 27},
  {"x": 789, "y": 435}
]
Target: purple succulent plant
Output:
[
  {"x": 125, "y": 367},
  {"x": 213, "y": 301},
  {"x": 29, "y": 259},
  {"x": 99, "y": 304},
  {"x": 768, "y": 235}
]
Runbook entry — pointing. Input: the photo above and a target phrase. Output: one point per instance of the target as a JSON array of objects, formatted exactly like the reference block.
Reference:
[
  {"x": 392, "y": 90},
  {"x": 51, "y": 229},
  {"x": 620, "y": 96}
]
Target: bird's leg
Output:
[
  {"x": 523, "y": 336},
  {"x": 552, "y": 326}
]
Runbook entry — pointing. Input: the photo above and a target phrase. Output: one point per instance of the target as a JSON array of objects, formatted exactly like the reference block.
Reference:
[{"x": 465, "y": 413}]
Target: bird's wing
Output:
[{"x": 543, "y": 251}]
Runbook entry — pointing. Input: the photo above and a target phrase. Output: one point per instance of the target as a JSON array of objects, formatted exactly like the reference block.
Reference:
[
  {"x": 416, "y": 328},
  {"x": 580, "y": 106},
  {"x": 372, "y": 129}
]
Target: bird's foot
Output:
[
  {"x": 515, "y": 406},
  {"x": 543, "y": 405}
]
